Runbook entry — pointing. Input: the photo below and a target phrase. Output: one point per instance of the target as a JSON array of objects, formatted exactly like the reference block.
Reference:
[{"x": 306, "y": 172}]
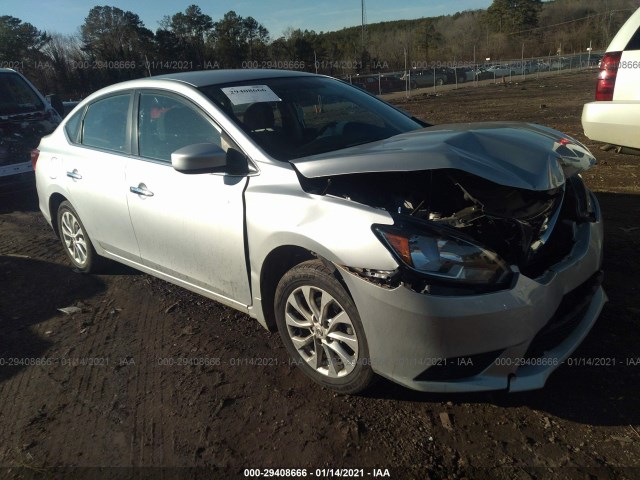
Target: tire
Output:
[
  {"x": 333, "y": 353},
  {"x": 440, "y": 82},
  {"x": 462, "y": 79},
  {"x": 75, "y": 240}
]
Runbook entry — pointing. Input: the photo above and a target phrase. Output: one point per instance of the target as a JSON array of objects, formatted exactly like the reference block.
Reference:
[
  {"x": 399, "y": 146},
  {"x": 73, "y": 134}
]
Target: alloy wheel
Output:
[
  {"x": 74, "y": 238},
  {"x": 321, "y": 331}
]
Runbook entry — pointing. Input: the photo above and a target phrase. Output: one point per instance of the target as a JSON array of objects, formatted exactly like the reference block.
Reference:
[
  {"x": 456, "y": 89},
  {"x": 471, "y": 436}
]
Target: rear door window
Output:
[{"x": 105, "y": 124}]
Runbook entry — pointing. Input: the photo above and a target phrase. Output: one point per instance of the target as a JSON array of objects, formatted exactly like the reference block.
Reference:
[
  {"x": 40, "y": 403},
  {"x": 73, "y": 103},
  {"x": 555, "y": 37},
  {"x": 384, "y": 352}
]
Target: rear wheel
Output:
[
  {"x": 321, "y": 329},
  {"x": 75, "y": 240}
]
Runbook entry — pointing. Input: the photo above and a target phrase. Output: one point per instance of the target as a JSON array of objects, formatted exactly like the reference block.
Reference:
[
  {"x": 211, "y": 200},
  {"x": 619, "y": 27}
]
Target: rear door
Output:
[
  {"x": 190, "y": 227},
  {"x": 95, "y": 171}
]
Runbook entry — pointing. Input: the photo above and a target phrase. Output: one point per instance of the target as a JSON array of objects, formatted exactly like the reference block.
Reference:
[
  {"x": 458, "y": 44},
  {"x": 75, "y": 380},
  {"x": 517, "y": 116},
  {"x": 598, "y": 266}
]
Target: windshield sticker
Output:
[{"x": 250, "y": 94}]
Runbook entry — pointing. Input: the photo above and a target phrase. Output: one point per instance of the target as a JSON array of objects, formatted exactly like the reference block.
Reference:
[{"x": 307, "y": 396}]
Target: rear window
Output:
[
  {"x": 16, "y": 96},
  {"x": 634, "y": 43}
]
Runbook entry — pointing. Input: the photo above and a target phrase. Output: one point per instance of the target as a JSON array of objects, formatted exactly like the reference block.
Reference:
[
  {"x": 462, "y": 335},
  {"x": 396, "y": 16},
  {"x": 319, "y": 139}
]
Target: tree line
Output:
[{"x": 114, "y": 45}]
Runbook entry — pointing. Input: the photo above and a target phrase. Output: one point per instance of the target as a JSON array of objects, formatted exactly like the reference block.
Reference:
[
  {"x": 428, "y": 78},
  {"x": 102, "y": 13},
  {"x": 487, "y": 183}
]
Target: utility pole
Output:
[{"x": 364, "y": 23}]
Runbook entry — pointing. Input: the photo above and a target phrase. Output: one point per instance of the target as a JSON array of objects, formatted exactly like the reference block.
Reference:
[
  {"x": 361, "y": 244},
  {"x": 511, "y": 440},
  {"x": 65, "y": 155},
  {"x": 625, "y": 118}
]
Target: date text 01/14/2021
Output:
[{"x": 318, "y": 472}]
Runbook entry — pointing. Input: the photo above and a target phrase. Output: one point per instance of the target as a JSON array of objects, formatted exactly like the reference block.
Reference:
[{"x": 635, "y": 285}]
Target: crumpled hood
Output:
[{"x": 520, "y": 155}]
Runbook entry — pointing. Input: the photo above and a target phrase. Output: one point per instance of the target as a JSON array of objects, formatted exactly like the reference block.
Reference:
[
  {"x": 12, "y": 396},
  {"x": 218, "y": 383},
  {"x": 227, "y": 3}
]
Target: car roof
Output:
[
  {"x": 211, "y": 77},
  {"x": 197, "y": 79}
]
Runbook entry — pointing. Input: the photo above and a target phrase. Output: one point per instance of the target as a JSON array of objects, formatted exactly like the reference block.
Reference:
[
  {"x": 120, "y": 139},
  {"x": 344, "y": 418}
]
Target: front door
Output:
[{"x": 189, "y": 226}]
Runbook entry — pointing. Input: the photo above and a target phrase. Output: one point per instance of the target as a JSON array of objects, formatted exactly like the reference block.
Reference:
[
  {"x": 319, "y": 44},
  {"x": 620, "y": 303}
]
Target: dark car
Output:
[
  {"x": 463, "y": 74},
  {"x": 593, "y": 60},
  {"x": 69, "y": 105},
  {"x": 449, "y": 73},
  {"x": 25, "y": 117},
  {"x": 427, "y": 78},
  {"x": 378, "y": 84}
]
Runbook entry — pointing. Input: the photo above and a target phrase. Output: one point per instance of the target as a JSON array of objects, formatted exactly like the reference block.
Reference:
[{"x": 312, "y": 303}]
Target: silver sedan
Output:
[{"x": 445, "y": 258}]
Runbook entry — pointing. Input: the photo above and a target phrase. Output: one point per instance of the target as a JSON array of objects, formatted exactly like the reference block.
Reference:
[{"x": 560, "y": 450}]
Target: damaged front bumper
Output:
[{"x": 512, "y": 339}]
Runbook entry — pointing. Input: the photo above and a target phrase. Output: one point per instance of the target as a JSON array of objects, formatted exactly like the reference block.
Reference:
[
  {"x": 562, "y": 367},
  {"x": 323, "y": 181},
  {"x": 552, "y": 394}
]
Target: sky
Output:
[{"x": 66, "y": 16}]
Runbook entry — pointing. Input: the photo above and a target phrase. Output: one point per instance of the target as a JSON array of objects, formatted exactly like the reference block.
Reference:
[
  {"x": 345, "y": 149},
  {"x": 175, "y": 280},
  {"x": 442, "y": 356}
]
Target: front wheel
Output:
[
  {"x": 75, "y": 240},
  {"x": 321, "y": 329}
]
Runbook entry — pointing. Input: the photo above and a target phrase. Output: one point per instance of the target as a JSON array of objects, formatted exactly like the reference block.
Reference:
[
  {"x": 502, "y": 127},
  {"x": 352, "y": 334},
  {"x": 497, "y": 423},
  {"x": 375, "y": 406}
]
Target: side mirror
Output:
[
  {"x": 199, "y": 158},
  {"x": 237, "y": 163}
]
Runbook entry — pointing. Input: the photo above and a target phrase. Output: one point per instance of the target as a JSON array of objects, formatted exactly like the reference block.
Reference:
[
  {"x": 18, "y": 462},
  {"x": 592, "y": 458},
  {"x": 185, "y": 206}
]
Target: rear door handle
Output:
[
  {"x": 75, "y": 175},
  {"x": 141, "y": 190}
]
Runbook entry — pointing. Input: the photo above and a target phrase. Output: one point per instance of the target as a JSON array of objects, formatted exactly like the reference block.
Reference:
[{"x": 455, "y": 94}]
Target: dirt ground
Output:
[{"x": 150, "y": 381}]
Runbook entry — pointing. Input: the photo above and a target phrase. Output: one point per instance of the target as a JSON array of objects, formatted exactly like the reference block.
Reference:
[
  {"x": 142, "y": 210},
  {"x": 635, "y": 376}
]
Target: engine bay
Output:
[{"x": 529, "y": 229}]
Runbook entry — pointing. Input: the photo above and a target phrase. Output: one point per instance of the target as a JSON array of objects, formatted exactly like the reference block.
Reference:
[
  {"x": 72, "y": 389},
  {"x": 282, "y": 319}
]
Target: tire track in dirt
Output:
[{"x": 147, "y": 451}]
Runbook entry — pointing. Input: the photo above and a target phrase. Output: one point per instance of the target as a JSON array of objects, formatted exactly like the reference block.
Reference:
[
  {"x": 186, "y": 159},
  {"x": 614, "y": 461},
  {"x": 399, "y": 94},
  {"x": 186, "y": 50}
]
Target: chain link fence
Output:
[{"x": 435, "y": 75}]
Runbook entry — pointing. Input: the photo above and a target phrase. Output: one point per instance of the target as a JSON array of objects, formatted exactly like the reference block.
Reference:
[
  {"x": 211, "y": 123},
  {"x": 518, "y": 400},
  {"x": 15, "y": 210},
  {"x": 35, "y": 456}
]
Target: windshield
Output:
[
  {"x": 302, "y": 116},
  {"x": 16, "y": 96}
]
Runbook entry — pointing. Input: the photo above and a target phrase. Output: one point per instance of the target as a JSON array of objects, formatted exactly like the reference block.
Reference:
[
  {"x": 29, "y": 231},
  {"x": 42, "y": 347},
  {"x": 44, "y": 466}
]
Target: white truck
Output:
[{"x": 614, "y": 116}]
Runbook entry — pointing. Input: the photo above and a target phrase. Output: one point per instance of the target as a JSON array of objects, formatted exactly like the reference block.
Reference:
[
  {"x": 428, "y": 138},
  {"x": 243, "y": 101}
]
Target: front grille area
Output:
[
  {"x": 569, "y": 314},
  {"x": 567, "y": 317}
]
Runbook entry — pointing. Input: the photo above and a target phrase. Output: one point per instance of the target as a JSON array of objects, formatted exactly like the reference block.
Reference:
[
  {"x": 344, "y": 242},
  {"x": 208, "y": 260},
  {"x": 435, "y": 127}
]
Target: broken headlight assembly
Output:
[
  {"x": 437, "y": 257},
  {"x": 582, "y": 200}
]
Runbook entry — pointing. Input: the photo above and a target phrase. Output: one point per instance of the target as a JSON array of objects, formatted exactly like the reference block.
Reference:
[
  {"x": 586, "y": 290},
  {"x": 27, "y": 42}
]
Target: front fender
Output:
[{"x": 279, "y": 213}]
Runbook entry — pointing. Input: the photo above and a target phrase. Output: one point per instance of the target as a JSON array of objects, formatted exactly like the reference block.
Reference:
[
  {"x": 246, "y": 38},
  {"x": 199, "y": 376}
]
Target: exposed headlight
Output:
[
  {"x": 579, "y": 205},
  {"x": 444, "y": 257},
  {"x": 583, "y": 198}
]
